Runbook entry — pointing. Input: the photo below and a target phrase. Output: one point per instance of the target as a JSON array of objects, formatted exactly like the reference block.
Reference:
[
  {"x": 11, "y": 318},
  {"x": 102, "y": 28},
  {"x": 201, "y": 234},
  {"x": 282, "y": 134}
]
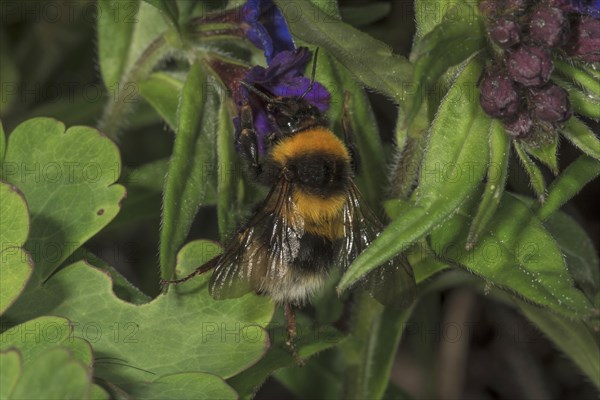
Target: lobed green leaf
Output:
[
  {"x": 67, "y": 178},
  {"x": 16, "y": 267},
  {"x": 184, "y": 330},
  {"x": 11, "y": 366},
  {"x": 185, "y": 385},
  {"x": 54, "y": 374}
]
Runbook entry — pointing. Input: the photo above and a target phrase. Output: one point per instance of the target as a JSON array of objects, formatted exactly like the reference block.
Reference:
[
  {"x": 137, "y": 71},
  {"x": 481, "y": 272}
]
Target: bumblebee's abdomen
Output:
[
  {"x": 316, "y": 254},
  {"x": 306, "y": 273}
]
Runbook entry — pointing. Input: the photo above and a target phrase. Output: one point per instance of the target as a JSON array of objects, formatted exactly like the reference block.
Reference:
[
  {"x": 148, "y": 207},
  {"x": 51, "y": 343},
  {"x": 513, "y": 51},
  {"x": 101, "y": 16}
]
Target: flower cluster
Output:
[
  {"x": 517, "y": 88},
  {"x": 263, "y": 24}
]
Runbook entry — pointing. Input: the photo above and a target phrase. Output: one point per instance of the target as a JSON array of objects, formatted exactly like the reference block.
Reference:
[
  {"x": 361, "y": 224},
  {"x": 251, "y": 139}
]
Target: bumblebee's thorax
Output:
[{"x": 315, "y": 161}]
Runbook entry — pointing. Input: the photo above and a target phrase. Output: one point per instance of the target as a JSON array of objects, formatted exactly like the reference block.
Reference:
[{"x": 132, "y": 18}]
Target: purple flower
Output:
[
  {"x": 530, "y": 66},
  {"x": 506, "y": 33},
  {"x": 585, "y": 7},
  {"x": 520, "y": 126},
  {"x": 585, "y": 40},
  {"x": 498, "y": 95},
  {"x": 282, "y": 78},
  {"x": 551, "y": 103},
  {"x": 549, "y": 26},
  {"x": 264, "y": 25}
]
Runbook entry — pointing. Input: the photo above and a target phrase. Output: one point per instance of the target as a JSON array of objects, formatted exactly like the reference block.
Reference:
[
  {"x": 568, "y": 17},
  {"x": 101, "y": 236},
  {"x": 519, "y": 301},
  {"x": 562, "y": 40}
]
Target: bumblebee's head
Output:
[
  {"x": 294, "y": 114},
  {"x": 290, "y": 114}
]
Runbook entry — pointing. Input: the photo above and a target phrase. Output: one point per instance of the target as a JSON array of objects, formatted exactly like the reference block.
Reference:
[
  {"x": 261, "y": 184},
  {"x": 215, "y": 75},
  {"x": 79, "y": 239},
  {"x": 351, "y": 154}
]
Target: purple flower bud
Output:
[
  {"x": 505, "y": 32},
  {"x": 549, "y": 26},
  {"x": 585, "y": 40},
  {"x": 520, "y": 126},
  {"x": 498, "y": 95},
  {"x": 530, "y": 66},
  {"x": 551, "y": 103}
]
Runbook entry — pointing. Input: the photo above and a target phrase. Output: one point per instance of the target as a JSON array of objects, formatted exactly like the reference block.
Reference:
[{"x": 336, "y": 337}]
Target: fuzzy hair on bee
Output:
[{"x": 312, "y": 219}]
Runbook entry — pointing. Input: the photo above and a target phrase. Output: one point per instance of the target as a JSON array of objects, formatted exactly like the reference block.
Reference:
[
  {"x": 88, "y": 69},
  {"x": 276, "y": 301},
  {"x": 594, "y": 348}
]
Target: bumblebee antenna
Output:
[
  {"x": 312, "y": 77},
  {"x": 258, "y": 92}
]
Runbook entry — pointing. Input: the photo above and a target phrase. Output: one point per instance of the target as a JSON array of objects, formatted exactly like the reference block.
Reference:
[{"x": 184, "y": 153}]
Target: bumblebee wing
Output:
[
  {"x": 392, "y": 283},
  {"x": 266, "y": 242}
]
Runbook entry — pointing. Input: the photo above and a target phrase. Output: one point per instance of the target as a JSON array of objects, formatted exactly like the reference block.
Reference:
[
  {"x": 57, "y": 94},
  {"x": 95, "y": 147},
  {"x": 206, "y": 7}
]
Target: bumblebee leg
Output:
[
  {"x": 349, "y": 136},
  {"x": 290, "y": 322},
  {"x": 164, "y": 283},
  {"x": 247, "y": 141}
]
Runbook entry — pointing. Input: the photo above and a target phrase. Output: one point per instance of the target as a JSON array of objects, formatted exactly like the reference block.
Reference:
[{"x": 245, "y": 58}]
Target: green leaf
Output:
[
  {"x": 366, "y": 135},
  {"x": 16, "y": 266},
  {"x": 448, "y": 44},
  {"x": 430, "y": 13},
  {"x": 191, "y": 167},
  {"x": 309, "y": 341},
  {"x": 11, "y": 366},
  {"x": 163, "y": 91},
  {"x": 361, "y": 15},
  {"x": 535, "y": 174},
  {"x": 373, "y": 371},
  {"x": 68, "y": 180},
  {"x": 495, "y": 184},
  {"x": 582, "y": 137},
  {"x": 546, "y": 153},
  {"x": 579, "y": 251},
  {"x": 423, "y": 262},
  {"x": 229, "y": 173},
  {"x": 579, "y": 75},
  {"x": 453, "y": 167},
  {"x": 370, "y": 61},
  {"x": 571, "y": 336},
  {"x": 35, "y": 336},
  {"x": 518, "y": 255},
  {"x": 116, "y": 27},
  {"x": 169, "y": 10},
  {"x": 411, "y": 141},
  {"x": 320, "y": 378},
  {"x": 578, "y": 174},
  {"x": 2, "y": 143},
  {"x": 54, "y": 374},
  {"x": 122, "y": 287},
  {"x": 185, "y": 385},
  {"x": 131, "y": 42},
  {"x": 197, "y": 333},
  {"x": 99, "y": 393},
  {"x": 582, "y": 102}
]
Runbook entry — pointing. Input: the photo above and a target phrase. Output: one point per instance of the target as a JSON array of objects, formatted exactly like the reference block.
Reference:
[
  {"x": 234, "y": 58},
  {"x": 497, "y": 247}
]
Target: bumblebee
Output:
[{"x": 312, "y": 219}]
